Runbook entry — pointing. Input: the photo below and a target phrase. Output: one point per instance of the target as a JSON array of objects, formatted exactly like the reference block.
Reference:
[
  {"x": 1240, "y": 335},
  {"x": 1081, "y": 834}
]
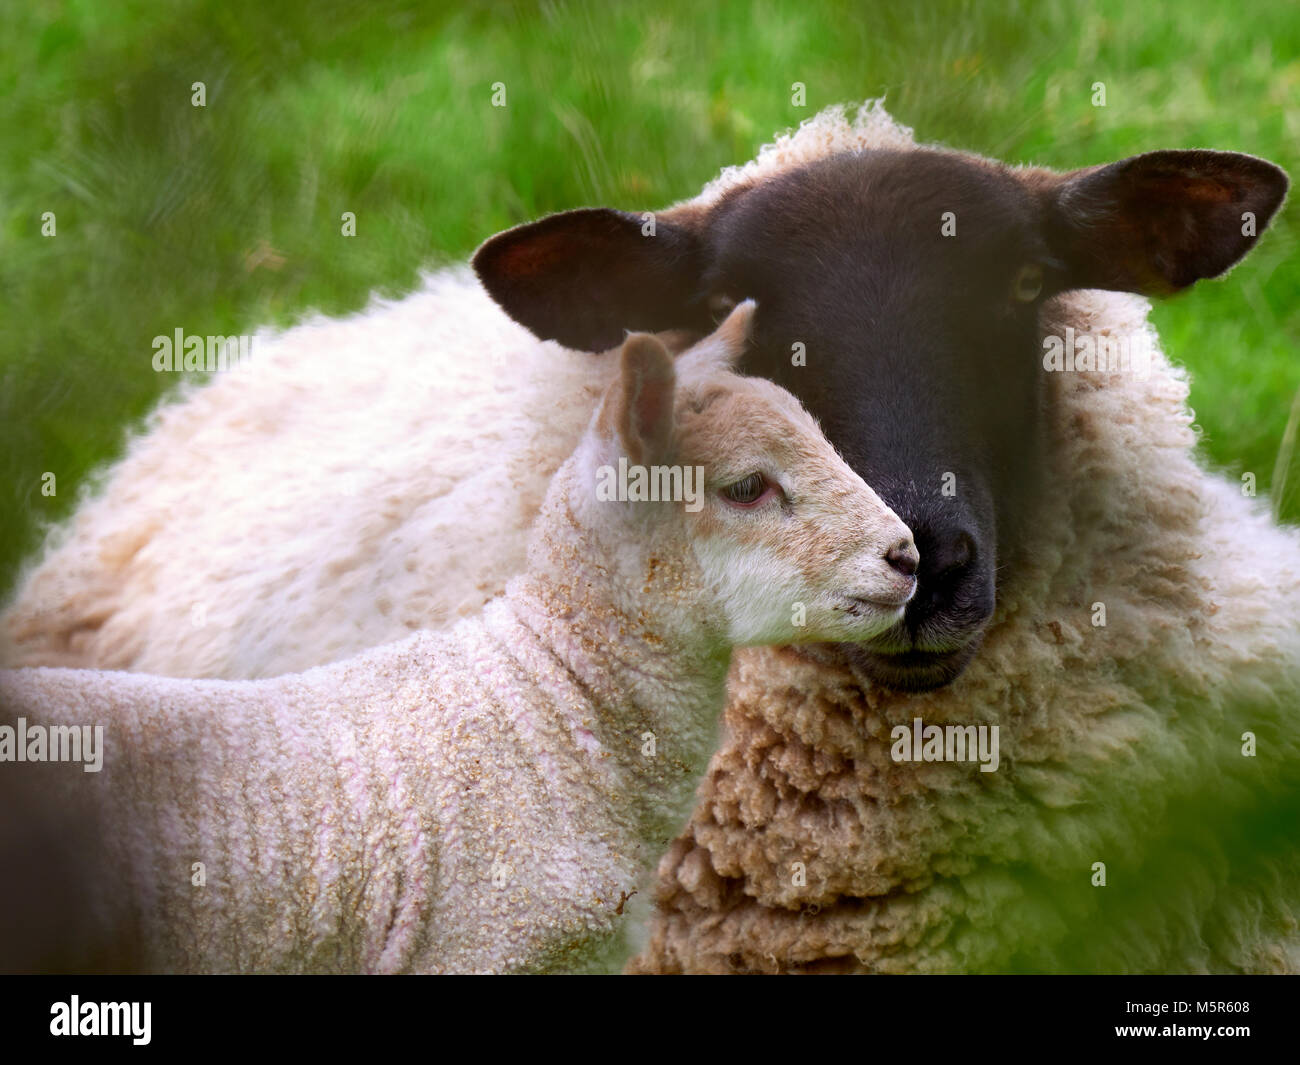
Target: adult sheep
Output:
[{"x": 1032, "y": 496}]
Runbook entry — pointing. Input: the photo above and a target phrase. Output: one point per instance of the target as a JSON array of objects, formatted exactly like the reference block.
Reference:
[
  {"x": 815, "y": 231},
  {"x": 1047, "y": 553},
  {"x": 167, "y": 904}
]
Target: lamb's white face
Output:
[
  {"x": 788, "y": 543},
  {"x": 796, "y": 545}
]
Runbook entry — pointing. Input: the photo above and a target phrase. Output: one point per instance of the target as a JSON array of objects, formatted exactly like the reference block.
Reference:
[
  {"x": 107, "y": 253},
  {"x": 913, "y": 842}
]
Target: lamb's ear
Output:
[
  {"x": 585, "y": 277},
  {"x": 1157, "y": 222},
  {"x": 723, "y": 347},
  {"x": 643, "y": 401}
]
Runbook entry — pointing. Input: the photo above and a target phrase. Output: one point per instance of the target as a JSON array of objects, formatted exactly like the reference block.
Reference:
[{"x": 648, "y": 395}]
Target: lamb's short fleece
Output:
[
  {"x": 482, "y": 799},
  {"x": 414, "y": 808}
]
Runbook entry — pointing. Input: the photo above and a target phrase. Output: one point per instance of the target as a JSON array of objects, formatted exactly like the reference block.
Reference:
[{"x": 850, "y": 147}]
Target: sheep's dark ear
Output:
[
  {"x": 1157, "y": 222},
  {"x": 643, "y": 403},
  {"x": 585, "y": 277}
]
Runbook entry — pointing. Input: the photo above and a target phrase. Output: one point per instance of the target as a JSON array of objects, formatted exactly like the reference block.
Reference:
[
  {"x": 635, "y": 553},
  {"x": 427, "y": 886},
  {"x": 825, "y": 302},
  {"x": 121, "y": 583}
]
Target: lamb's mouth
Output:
[
  {"x": 913, "y": 670},
  {"x": 861, "y": 606}
]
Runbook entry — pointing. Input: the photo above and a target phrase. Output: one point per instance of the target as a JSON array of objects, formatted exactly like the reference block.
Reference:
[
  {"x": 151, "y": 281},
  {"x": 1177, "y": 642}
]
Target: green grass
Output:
[{"x": 223, "y": 218}]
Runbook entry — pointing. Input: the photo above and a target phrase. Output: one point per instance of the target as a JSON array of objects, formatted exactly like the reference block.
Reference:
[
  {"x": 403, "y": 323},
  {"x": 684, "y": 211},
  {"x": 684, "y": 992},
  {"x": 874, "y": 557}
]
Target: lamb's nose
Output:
[{"x": 904, "y": 557}]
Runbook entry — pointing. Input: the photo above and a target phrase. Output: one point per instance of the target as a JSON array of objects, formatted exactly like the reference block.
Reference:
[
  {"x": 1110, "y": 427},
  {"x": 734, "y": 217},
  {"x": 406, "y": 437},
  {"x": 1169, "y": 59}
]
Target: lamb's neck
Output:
[{"x": 643, "y": 704}]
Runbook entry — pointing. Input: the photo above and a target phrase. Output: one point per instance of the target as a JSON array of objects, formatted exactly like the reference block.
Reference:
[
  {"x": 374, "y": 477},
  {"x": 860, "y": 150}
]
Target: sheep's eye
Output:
[
  {"x": 1028, "y": 283},
  {"x": 747, "y": 491}
]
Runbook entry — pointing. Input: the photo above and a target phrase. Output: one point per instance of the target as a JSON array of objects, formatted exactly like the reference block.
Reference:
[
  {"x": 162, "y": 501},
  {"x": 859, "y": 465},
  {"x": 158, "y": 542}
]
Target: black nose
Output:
[
  {"x": 947, "y": 559},
  {"x": 952, "y": 552},
  {"x": 903, "y": 557}
]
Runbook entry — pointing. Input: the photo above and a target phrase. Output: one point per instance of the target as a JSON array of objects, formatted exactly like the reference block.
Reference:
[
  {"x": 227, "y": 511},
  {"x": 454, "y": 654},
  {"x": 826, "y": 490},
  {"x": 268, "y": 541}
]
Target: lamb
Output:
[
  {"x": 486, "y": 798},
  {"x": 1034, "y": 496}
]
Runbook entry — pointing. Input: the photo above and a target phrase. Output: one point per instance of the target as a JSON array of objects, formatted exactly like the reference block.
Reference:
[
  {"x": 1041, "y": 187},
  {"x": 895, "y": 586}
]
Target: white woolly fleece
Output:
[{"x": 360, "y": 480}]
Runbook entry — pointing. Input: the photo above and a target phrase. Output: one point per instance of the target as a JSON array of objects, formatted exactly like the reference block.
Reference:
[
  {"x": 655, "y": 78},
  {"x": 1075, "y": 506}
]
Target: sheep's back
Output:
[{"x": 360, "y": 479}]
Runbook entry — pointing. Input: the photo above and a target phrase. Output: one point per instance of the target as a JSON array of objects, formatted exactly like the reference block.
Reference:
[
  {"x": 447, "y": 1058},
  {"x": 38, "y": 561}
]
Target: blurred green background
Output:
[{"x": 223, "y": 218}]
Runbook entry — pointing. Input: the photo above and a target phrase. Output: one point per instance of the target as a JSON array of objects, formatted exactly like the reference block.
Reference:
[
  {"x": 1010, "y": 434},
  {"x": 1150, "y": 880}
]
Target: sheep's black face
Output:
[
  {"x": 896, "y": 299},
  {"x": 898, "y": 295}
]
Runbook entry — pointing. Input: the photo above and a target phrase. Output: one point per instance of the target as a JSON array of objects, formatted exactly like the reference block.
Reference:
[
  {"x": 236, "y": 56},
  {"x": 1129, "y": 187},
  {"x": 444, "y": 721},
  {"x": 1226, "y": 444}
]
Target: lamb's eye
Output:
[
  {"x": 1028, "y": 283},
  {"x": 747, "y": 491}
]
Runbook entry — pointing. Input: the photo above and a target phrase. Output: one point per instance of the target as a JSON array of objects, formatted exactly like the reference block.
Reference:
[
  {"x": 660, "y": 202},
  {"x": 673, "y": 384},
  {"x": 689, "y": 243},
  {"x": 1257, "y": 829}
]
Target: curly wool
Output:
[{"x": 1120, "y": 743}]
